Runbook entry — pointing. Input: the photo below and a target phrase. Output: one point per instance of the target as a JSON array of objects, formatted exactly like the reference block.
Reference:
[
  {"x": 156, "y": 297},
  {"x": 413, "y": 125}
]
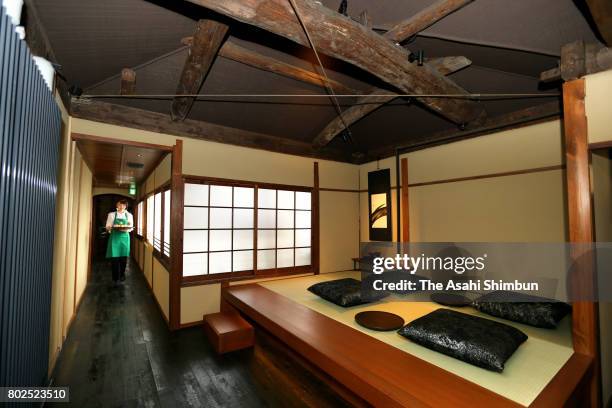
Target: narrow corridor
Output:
[{"x": 119, "y": 353}]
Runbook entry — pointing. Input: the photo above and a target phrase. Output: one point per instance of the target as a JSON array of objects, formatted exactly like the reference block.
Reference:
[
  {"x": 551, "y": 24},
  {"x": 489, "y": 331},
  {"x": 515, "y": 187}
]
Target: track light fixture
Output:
[
  {"x": 418, "y": 56},
  {"x": 347, "y": 135}
]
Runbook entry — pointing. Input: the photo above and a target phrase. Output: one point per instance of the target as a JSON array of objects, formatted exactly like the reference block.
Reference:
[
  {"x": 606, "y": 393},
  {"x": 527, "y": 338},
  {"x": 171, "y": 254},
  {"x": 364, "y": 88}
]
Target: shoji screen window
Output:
[
  {"x": 283, "y": 229},
  {"x": 150, "y": 218},
  {"x": 140, "y": 219},
  {"x": 219, "y": 229},
  {"x": 157, "y": 230},
  {"x": 167, "y": 223}
]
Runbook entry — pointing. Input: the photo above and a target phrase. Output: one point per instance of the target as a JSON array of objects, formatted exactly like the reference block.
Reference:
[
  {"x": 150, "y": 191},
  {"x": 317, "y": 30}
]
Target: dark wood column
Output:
[
  {"x": 580, "y": 225},
  {"x": 176, "y": 234},
  {"x": 405, "y": 206},
  {"x": 316, "y": 231}
]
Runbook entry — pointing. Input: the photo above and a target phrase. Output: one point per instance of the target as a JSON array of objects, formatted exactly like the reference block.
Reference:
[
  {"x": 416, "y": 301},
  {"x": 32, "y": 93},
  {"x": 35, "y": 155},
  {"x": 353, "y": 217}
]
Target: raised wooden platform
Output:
[
  {"x": 228, "y": 332},
  {"x": 375, "y": 372}
]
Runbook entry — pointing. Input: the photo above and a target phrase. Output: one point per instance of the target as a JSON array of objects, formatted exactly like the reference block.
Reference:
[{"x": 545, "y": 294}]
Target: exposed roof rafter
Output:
[
  {"x": 207, "y": 40},
  {"x": 511, "y": 120},
  {"x": 122, "y": 115},
  {"x": 601, "y": 10},
  {"x": 235, "y": 52},
  {"x": 368, "y": 104},
  {"x": 340, "y": 37},
  {"x": 578, "y": 59},
  {"x": 427, "y": 17}
]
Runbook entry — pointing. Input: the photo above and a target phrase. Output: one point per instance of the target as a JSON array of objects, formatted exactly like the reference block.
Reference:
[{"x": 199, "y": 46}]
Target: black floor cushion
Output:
[
  {"x": 482, "y": 342},
  {"x": 346, "y": 292},
  {"x": 450, "y": 299},
  {"x": 522, "y": 308}
]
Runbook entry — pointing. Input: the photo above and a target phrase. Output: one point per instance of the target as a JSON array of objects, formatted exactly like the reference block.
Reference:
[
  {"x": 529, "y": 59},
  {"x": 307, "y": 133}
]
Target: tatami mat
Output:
[{"x": 525, "y": 375}]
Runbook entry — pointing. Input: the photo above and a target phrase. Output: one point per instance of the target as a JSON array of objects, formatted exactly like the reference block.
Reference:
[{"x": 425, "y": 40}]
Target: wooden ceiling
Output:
[
  {"x": 118, "y": 165},
  {"x": 217, "y": 68}
]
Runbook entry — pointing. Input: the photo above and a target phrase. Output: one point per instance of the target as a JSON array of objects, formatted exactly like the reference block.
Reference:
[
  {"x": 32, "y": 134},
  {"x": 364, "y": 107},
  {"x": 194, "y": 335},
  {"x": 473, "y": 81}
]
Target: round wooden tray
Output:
[
  {"x": 450, "y": 299},
  {"x": 379, "y": 321}
]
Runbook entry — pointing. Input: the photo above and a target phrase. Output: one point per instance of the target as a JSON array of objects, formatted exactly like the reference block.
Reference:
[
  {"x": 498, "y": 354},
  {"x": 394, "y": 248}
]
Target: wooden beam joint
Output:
[
  {"x": 424, "y": 19},
  {"x": 207, "y": 40},
  {"x": 128, "y": 82},
  {"x": 378, "y": 98},
  {"x": 577, "y": 60},
  {"x": 342, "y": 38}
]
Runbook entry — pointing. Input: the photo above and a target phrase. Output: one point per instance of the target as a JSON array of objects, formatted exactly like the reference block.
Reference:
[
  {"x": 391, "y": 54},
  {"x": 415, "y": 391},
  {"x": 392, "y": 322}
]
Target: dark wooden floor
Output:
[{"x": 119, "y": 353}]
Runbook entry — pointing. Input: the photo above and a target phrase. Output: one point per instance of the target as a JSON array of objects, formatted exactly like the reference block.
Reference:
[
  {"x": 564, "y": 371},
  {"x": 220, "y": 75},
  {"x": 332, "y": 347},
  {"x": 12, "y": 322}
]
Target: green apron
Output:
[{"x": 119, "y": 241}]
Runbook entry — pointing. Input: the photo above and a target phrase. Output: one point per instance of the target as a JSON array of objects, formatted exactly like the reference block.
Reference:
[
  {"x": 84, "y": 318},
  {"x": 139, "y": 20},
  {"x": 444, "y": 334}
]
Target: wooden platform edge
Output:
[{"x": 394, "y": 378}]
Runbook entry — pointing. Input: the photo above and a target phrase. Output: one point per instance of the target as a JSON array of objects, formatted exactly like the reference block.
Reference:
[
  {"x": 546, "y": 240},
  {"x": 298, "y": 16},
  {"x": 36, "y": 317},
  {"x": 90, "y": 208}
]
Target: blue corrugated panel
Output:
[{"x": 30, "y": 126}]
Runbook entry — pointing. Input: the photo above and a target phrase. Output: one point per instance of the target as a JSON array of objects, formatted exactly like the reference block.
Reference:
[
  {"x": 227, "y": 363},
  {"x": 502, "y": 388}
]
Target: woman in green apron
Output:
[{"x": 119, "y": 224}]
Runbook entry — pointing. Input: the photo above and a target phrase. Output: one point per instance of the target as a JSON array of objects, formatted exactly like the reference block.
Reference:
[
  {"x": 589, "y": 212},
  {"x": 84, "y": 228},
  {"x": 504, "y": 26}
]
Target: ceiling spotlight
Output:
[
  {"x": 418, "y": 56},
  {"x": 346, "y": 135}
]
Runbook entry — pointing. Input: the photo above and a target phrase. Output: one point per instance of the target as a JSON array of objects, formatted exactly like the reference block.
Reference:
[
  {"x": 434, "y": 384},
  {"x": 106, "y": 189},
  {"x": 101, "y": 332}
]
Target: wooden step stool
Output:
[{"x": 228, "y": 331}]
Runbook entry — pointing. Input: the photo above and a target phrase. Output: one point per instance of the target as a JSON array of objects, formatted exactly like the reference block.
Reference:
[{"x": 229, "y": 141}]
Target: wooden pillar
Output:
[
  {"x": 176, "y": 234},
  {"x": 405, "y": 207},
  {"x": 580, "y": 224},
  {"x": 316, "y": 235}
]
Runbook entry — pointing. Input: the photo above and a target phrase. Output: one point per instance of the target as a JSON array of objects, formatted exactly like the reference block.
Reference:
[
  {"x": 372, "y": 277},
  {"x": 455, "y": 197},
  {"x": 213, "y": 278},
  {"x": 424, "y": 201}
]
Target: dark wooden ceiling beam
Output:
[
  {"x": 448, "y": 65},
  {"x": 424, "y": 19},
  {"x": 235, "y": 52},
  {"x": 368, "y": 104},
  {"x": 207, "y": 40},
  {"x": 363, "y": 106},
  {"x": 579, "y": 59},
  {"x": 254, "y": 59},
  {"x": 400, "y": 32},
  {"x": 39, "y": 44},
  {"x": 126, "y": 116},
  {"x": 601, "y": 11},
  {"x": 121, "y": 115},
  {"x": 523, "y": 117},
  {"x": 340, "y": 37},
  {"x": 128, "y": 82}
]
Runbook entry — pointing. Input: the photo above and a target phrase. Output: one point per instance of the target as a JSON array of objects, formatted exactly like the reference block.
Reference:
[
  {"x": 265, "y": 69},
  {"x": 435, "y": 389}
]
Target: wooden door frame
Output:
[
  {"x": 176, "y": 235},
  {"x": 174, "y": 152}
]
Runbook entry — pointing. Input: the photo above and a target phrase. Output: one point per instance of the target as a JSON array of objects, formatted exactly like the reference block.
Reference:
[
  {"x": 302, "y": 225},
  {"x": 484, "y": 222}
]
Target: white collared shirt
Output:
[{"x": 110, "y": 219}]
